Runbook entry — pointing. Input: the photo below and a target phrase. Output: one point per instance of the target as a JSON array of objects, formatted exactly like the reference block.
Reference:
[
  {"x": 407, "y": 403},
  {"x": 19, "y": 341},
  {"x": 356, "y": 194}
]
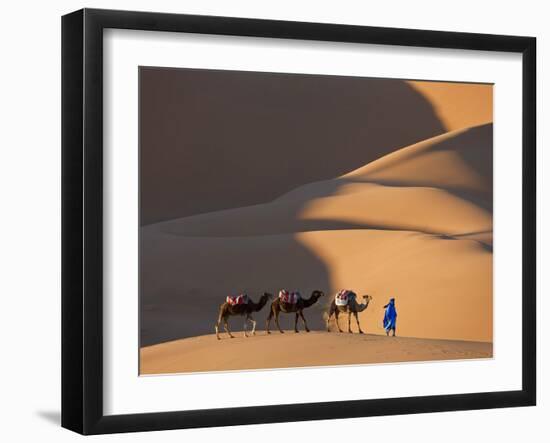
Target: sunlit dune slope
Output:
[
  {"x": 460, "y": 160},
  {"x": 205, "y": 353},
  {"x": 440, "y": 186},
  {"x": 458, "y": 105}
]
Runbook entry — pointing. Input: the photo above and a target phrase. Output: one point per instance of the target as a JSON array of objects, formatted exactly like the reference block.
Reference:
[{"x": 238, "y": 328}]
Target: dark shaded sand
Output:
[
  {"x": 251, "y": 137},
  {"x": 205, "y": 353}
]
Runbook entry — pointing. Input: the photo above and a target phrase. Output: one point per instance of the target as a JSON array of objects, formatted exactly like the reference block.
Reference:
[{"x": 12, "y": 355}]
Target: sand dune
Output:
[
  {"x": 343, "y": 206},
  {"x": 185, "y": 279},
  {"x": 245, "y": 150},
  {"x": 305, "y": 128},
  {"x": 443, "y": 285},
  {"x": 205, "y": 353},
  {"x": 458, "y": 160},
  {"x": 398, "y": 227},
  {"x": 458, "y": 105},
  {"x": 437, "y": 186}
]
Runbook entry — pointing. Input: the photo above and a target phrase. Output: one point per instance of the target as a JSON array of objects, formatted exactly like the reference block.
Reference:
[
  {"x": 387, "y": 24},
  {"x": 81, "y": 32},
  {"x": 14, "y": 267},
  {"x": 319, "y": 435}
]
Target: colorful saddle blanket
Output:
[
  {"x": 289, "y": 297},
  {"x": 234, "y": 300},
  {"x": 343, "y": 297}
]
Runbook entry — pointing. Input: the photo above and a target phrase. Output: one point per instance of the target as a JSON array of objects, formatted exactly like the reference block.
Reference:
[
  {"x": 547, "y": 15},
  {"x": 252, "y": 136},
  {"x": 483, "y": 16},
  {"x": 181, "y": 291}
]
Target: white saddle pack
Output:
[{"x": 343, "y": 297}]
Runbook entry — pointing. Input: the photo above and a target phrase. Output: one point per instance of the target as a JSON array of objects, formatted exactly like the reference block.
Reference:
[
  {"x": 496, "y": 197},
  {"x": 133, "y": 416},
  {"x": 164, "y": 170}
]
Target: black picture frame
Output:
[{"x": 82, "y": 221}]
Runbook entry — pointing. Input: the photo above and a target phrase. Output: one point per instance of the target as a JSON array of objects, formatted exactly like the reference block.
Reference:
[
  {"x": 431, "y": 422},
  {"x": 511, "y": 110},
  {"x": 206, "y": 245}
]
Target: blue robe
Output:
[{"x": 390, "y": 316}]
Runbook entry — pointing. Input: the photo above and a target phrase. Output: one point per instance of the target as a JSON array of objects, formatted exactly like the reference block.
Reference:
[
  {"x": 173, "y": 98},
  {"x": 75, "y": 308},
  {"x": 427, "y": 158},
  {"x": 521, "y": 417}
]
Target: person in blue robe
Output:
[{"x": 390, "y": 317}]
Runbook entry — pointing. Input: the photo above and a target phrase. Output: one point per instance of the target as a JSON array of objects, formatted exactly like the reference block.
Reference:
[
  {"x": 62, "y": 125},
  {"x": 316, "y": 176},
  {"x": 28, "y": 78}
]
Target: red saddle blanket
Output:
[
  {"x": 237, "y": 299},
  {"x": 289, "y": 297},
  {"x": 342, "y": 298}
]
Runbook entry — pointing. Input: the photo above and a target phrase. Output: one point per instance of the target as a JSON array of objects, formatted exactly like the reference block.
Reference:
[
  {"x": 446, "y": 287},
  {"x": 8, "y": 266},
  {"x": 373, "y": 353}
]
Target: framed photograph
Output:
[{"x": 269, "y": 221}]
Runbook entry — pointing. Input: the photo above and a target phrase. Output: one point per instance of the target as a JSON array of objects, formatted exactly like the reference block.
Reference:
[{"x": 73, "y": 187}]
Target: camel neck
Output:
[
  {"x": 261, "y": 303},
  {"x": 310, "y": 301}
]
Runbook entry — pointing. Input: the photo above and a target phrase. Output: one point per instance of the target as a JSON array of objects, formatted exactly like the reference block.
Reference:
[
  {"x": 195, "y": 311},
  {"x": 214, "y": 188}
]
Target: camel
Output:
[
  {"x": 279, "y": 306},
  {"x": 246, "y": 309},
  {"x": 351, "y": 308}
]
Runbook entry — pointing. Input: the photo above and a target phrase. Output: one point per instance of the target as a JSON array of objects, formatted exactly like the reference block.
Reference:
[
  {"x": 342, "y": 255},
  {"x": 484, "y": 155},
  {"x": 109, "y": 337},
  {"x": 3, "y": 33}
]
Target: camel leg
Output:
[
  {"x": 245, "y": 325},
  {"x": 357, "y": 320},
  {"x": 217, "y": 326},
  {"x": 253, "y": 324},
  {"x": 349, "y": 321},
  {"x": 336, "y": 315},
  {"x": 268, "y": 321},
  {"x": 296, "y": 323},
  {"x": 330, "y": 314},
  {"x": 304, "y": 319},
  {"x": 226, "y": 327},
  {"x": 277, "y": 321}
]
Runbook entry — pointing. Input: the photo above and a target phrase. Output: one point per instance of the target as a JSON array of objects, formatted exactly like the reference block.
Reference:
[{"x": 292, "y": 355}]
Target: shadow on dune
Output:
[
  {"x": 212, "y": 140},
  {"x": 318, "y": 225},
  {"x": 184, "y": 280},
  {"x": 488, "y": 247}
]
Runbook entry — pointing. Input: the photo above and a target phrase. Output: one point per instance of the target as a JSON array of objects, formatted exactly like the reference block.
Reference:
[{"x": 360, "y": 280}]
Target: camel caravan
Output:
[{"x": 287, "y": 302}]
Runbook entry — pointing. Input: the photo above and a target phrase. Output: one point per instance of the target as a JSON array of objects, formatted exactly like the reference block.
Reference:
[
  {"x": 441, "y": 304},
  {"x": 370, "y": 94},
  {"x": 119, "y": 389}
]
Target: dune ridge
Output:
[
  {"x": 460, "y": 159},
  {"x": 412, "y": 179},
  {"x": 205, "y": 353},
  {"x": 458, "y": 105},
  {"x": 312, "y": 127}
]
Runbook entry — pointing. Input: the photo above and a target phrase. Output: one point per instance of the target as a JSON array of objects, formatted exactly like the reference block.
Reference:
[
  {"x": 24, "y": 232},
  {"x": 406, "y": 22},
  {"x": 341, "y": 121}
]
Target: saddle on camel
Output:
[
  {"x": 234, "y": 300},
  {"x": 289, "y": 297},
  {"x": 343, "y": 297}
]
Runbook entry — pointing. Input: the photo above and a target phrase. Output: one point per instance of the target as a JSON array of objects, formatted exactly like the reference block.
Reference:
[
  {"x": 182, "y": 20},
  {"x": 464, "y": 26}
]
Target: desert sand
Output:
[
  {"x": 415, "y": 225},
  {"x": 413, "y": 222},
  {"x": 303, "y": 129},
  {"x": 458, "y": 105},
  {"x": 205, "y": 353}
]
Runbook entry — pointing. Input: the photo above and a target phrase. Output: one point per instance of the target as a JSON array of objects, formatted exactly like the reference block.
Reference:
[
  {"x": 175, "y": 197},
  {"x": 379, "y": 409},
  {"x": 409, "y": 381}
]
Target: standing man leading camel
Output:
[{"x": 390, "y": 317}]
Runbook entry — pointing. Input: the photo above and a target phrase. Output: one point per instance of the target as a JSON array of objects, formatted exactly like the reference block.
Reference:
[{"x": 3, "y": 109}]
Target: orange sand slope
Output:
[
  {"x": 442, "y": 185},
  {"x": 205, "y": 353},
  {"x": 415, "y": 225},
  {"x": 458, "y": 105}
]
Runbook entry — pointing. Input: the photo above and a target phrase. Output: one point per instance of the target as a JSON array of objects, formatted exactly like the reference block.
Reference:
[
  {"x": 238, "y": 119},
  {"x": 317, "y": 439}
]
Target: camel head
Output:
[
  {"x": 265, "y": 297},
  {"x": 317, "y": 294},
  {"x": 366, "y": 300}
]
